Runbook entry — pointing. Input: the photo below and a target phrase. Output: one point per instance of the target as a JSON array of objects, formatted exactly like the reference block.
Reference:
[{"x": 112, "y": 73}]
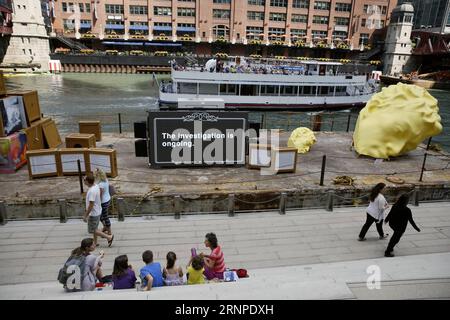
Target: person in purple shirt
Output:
[{"x": 123, "y": 275}]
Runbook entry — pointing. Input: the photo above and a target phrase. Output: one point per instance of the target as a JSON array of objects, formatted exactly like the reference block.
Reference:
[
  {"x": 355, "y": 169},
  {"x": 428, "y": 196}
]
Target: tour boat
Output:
[{"x": 264, "y": 84}]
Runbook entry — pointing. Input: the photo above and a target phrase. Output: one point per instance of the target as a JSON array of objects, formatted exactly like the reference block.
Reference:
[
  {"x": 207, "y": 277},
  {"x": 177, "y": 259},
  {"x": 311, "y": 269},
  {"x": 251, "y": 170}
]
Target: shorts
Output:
[{"x": 93, "y": 223}]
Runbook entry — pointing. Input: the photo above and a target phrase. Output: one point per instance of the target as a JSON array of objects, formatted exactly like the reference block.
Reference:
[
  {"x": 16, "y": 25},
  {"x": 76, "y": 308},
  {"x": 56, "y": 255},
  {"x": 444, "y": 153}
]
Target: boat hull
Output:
[{"x": 427, "y": 84}]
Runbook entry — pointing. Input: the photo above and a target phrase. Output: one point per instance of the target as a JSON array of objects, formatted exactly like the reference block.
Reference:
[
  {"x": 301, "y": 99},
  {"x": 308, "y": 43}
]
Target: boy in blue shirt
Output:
[{"x": 151, "y": 274}]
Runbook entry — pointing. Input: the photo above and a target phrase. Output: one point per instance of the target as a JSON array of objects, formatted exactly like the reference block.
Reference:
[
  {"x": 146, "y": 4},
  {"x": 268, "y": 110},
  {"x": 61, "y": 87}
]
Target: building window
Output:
[
  {"x": 88, "y": 7},
  {"x": 363, "y": 22},
  {"x": 303, "y": 18},
  {"x": 139, "y": 10},
  {"x": 221, "y": 1},
  {"x": 383, "y": 10},
  {"x": 342, "y": 35},
  {"x": 278, "y": 3},
  {"x": 256, "y": 2},
  {"x": 162, "y": 11},
  {"x": 277, "y": 16},
  {"x": 321, "y": 5},
  {"x": 138, "y": 28},
  {"x": 114, "y": 8},
  {"x": 319, "y": 34},
  {"x": 298, "y": 33},
  {"x": 64, "y": 7},
  {"x": 186, "y": 12},
  {"x": 186, "y": 0},
  {"x": 221, "y": 14},
  {"x": 320, "y": 19},
  {"x": 69, "y": 25},
  {"x": 339, "y": 21},
  {"x": 276, "y": 33},
  {"x": 221, "y": 31},
  {"x": 81, "y": 5},
  {"x": 363, "y": 39},
  {"x": 254, "y": 32},
  {"x": 343, "y": 7},
  {"x": 300, "y": 4},
  {"x": 372, "y": 9},
  {"x": 255, "y": 15}
]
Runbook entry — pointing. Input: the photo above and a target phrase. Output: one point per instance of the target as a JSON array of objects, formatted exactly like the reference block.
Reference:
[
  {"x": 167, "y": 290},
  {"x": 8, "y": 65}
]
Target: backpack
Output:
[{"x": 64, "y": 274}]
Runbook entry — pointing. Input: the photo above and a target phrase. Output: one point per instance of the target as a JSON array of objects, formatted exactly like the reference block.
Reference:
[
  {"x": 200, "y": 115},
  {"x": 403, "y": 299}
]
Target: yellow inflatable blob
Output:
[
  {"x": 302, "y": 138},
  {"x": 395, "y": 121}
]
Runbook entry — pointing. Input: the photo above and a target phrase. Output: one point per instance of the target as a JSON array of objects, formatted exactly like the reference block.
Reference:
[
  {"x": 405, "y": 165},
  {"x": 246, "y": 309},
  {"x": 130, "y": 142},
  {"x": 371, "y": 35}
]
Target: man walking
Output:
[{"x": 94, "y": 210}]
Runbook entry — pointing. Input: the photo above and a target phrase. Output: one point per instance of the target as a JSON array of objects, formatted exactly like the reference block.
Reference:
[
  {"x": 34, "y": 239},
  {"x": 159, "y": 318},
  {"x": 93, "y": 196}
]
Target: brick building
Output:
[{"x": 245, "y": 22}]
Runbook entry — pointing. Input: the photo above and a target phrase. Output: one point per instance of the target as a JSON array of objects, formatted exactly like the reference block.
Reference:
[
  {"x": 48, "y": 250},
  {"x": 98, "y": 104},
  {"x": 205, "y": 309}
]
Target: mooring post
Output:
[
  {"x": 415, "y": 197},
  {"x": 322, "y": 172},
  {"x": 121, "y": 209},
  {"x": 348, "y": 122},
  {"x": 62, "y": 210},
  {"x": 120, "y": 122},
  {"x": 282, "y": 208},
  {"x": 330, "y": 200},
  {"x": 423, "y": 166},
  {"x": 231, "y": 205},
  {"x": 80, "y": 175},
  {"x": 3, "y": 213},
  {"x": 177, "y": 206}
]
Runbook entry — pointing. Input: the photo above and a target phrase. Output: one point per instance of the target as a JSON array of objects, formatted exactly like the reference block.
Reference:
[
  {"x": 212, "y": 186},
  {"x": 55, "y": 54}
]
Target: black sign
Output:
[{"x": 196, "y": 138}]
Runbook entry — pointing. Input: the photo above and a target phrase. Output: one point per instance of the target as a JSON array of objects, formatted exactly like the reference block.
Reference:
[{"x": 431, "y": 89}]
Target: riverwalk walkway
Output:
[{"x": 287, "y": 256}]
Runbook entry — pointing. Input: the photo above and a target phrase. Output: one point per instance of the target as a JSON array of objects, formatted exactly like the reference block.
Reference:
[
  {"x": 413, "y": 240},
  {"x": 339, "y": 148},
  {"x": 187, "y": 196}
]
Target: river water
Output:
[{"x": 71, "y": 97}]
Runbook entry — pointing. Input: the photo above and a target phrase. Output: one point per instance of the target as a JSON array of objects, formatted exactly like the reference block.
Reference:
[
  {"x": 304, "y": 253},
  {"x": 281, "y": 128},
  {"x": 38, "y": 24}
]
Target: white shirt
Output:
[
  {"x": 377, "y": 207},
  {"x": 93, "y": 194}
]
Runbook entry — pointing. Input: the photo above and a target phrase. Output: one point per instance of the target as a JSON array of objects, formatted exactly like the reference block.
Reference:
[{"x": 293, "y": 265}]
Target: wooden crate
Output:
[
  {"x": 68, "y": 160},
  {"x": 91, "y": 127},
  {"x": 43, "y": 163},
  {"x": 105, "y": 159},
  {"x": 80, "y": 140},
  {"x": 30, "y": 102},
  {"x": 35, "y": 137},
  {"x": 2, "y": 84},
  {"x": 51, "y": 134}
]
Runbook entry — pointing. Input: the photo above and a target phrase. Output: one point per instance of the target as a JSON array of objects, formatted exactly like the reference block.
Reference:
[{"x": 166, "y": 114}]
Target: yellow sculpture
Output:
[
  {"x": 302, "y": 138},
  {"x": 395, "y": 121}
]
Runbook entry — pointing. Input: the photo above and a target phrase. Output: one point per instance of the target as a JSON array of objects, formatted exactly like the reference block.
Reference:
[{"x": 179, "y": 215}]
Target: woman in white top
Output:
[
  {"x": 375, "y": 212},
  {"x": 103, "y": 183}
]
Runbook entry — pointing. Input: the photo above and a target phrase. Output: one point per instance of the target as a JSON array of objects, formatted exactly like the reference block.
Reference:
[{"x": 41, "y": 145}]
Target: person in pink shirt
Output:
[{"x": 214, "y": 263}]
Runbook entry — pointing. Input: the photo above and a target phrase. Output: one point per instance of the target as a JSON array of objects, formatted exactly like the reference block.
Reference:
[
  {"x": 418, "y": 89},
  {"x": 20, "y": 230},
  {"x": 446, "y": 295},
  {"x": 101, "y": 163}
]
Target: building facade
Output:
[
  {"x": 5, "y": 26},
  {"x": 431, "y": 15},
  {"x": 398, "y": 41},
  {"x": 28, "y": 49},
  {"x": 285, "y": 22}
]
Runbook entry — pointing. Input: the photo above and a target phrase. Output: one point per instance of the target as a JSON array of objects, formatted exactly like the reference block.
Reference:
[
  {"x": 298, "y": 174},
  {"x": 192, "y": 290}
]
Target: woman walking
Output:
[
  {"x": 398, "y": 219},
  {"x": 103, "y": 184},
  {"x": 375, "y": 212}
]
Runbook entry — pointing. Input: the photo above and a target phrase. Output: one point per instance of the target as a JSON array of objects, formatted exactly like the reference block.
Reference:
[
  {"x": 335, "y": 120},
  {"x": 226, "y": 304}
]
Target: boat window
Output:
[
  {"x": 249, "y": 90},
  {"x": 307, "y": 90},
  {"x": 228, "y": 89},
  {"x": 326, "y": 91},
  {"x": 269, "y": 90},
  {"x": 187, "y": 87},
  {"x": 208, "y": 88},
  {"x": 289, "y": 90},
  {"x": 341, "y": 90}
]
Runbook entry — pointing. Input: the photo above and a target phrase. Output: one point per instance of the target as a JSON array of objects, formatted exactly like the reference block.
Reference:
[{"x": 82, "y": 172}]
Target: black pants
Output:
[
  {"x": 394, "y": 240},
  {"x": 367, "y": 225}
]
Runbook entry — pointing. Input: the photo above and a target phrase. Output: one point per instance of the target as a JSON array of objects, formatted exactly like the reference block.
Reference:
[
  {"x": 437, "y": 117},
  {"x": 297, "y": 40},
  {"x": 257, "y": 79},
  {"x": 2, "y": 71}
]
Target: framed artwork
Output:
[
  {"x": 105, "y": 159},
  {"x": 43, "y": 163},
  {"x": 284, "y": 160},
  {"x": 12, "y": 114},
  {"x": 259, "y": 155},
  {"x": 68, "y": 159}
]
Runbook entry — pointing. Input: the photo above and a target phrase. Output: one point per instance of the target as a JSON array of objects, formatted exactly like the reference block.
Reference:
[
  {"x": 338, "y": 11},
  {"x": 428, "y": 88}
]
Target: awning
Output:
[
  {"x": 115, "y": 26},
  {"x": 162, "y": 28},
  {"x": 85, "y": 25},
  {"x": 157, "y": 44},
  {"x": 138, "y": 27},
  {"x": 123, "y": 43},
  {"x": 186, "y": 29}
]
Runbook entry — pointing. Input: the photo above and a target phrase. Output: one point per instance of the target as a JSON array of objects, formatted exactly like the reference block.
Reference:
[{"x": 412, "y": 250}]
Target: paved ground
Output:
[{"x": 33, "y": 251}]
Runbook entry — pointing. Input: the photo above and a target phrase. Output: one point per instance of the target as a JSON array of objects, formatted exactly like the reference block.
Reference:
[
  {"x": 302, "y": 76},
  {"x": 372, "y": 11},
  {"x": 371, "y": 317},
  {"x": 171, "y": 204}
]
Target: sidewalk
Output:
[{"x": 33, "y": 251}]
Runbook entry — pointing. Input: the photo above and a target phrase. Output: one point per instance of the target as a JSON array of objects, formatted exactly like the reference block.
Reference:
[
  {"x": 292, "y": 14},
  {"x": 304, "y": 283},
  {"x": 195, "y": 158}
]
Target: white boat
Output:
[{"x": 250, "y": 84}]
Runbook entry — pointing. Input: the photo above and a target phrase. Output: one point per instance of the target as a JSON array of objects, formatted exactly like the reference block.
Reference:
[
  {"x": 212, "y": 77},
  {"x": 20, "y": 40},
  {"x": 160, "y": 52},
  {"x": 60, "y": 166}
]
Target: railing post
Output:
[
  {"x": 62, "y": 210},
  {"x": 121, "y": 209},
  {"x": 3, "y": 213},
  {"x": 423, "y": 166},
  {"x": 322, "y": 172},
  {"x": 282, "y": 208},
  {"x": 177, "y": 206},
  {"x": 80, "y": 175},
  {"x": 415, "y": 197},
  {"x": 332, "y": 125},
  {"x": 231, "y": 205},
  {"x": 330, "y": 199},
  {"x": 120, "y": 122},
  {"x": 348, "y": 122}
]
